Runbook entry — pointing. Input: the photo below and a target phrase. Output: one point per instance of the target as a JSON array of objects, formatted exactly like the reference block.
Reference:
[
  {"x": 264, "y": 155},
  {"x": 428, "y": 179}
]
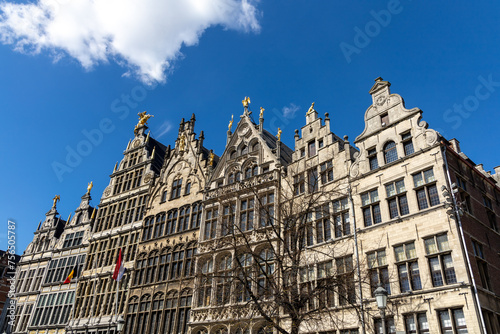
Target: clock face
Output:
[{"x": 380, "y": 100}]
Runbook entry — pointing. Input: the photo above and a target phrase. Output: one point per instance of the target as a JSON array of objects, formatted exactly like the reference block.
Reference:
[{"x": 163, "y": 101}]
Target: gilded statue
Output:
[
  {"x": 182, "y": 143},
  {"x": 56, "y": 199},
  {"x": 230, "y": 123},
  {"x": 211, "y": 159},
  {"x": 311, "y": 109},
  {"x": 89, "y": 187},
  {"x": 279, "y": 134},
  {"x": 261, "y": 112},
  {"x": 143, "y": 119},
  {"x": 246, "y": 102}
]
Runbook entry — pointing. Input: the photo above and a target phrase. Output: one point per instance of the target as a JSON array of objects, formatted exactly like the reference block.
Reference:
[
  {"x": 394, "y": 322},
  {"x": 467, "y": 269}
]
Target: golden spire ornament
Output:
[
  {"x": 55, "y": 199},
  {"x": 279, "y": 134},
  {"x": 211, "y": 159},
  {"x": 89, "y": 187},
  {"x": 311, "y": 109},
  {"x": 246, "y": 102},
  {"x": 230, "y": 123},
  {"x": 261, "y": 115}
]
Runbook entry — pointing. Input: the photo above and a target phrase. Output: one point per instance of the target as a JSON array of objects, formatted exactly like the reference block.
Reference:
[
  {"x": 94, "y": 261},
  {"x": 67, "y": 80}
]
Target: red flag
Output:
[{"x": 119, "y": 268}]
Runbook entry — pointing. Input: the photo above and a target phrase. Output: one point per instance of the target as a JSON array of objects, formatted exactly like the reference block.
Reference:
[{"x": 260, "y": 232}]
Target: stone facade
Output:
[{"x": 272, "y": 237}]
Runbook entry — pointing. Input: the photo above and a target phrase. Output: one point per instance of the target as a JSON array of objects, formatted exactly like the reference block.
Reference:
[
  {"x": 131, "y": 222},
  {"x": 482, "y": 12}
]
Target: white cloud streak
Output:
[
  {"x": 145, "y": 36},
  {"x": 163, "y": 129},
  {"x": 290, "y": 110}
]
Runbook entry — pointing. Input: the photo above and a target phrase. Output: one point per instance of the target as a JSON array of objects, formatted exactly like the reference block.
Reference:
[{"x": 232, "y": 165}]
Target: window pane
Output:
[
  {"x": 417, "y": 180},
  {"x": 399, "y": 252},
  {"x": 449, "y": 271},
  {"x": 423, "y": 325},
  {"x": 433, "y": 195},
  {"x": 428, "y": 176},
  {"x": 442, "y": 241},
  {"x": 430, "y": 246},
  {"x": 422, "y": 199},
  {"x": 390, "y": 189},
  {"x": 437, "y": 277},
  {"x": 444, "y": 318}
]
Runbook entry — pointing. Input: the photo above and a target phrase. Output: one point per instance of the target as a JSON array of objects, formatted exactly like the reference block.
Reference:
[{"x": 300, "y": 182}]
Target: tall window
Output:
[
  {"x": 323, "y": 228},
  {"x": 171, "y": 222},
  {"x": 312, "y": 180},
  {"x": 246, "y": 214},
  {"x": 326, "y": 172},
  {"x": 311, "y": 148},
  {"x": 196, "y": 215},
  {"x": 187, "y": 190},
  {"x": 265, "y": 270},
  {"x": 390, "y": 152},
  {"x": 389, "y": 326},
  {"x": 416, "y": 323},
  {"x": 211, "y": 223},
  {"x": 440, "y": 261},
  {"x": 379, "y": 274},
  {"x": 306, "y": 280},
  {"x": 425, "y": 187},
  {"x": 452, "y": 321},
  {"x": 160, "y": 225},
  {"x": 490, "y": 213},
  {"x": 244, "y": 281},
  {"x": 299, "y": 184},
  {"x": 229, "y": 213},
  {"x": 407, "y": 143},
  {"x": 176, "y": 189},
  {"x": 147, "y": 232},
  {"x": 184, "y": 214},
  {"x": 205, "y": 291},
  {"x": 396, "y": 198},
  {"x": 371, "y": 208},
  {"x": 482, "y": 265},
  {"x": 408, "y": 272},
  {"x": 372, "y": 158},
  {"x": 151, "y": 269},
  {"x": 345, "y": 277},
  {"x": 341, "y": 217},
  {"x": 73, "y": 239},
  {"x": 325, "y": 282},
  {"x": 223, "y": 283},
  {"x": 266, "y": 210},
  {"x": 156, "y": 313}
]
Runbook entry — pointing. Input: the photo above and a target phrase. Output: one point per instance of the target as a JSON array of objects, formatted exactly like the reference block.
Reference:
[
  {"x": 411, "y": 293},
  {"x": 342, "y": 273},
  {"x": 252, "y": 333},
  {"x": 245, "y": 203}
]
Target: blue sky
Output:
[{"x": 65, "y": 74}]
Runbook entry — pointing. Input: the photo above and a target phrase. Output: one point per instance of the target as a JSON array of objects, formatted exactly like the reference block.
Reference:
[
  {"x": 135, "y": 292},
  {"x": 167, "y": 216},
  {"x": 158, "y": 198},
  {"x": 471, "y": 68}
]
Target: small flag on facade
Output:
[
  {"x": 72, "y": 274},
  {"x": 119, "y": 268}
]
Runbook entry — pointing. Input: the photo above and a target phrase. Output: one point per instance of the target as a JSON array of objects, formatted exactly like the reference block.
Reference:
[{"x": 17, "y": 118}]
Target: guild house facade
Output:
[{"x": 268, "y": 238}]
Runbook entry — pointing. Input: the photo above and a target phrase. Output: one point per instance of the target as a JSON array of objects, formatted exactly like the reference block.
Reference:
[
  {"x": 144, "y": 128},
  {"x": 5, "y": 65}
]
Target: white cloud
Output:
[
  {"x": 144, "y": 35},
  {"x": 163, "y": 129},
  {"x": 290, "y": 110}
]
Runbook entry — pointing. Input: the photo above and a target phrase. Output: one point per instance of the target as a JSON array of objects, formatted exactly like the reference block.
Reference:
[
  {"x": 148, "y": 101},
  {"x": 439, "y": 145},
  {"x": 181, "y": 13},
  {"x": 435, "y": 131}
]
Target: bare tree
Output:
[{"x": 284, "y": 254}]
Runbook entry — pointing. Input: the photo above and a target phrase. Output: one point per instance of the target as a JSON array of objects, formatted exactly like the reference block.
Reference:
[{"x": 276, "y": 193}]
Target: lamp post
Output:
[
  {"x": 120, "y": 323},
  {"x": 381, "y": 297}
]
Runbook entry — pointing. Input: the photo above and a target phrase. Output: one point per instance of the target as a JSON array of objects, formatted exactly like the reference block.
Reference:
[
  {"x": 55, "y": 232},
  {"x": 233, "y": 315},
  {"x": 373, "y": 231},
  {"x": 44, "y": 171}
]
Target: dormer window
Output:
[
  {"x": 390, "y": 152},
  {"x": 384, "y": 119}
]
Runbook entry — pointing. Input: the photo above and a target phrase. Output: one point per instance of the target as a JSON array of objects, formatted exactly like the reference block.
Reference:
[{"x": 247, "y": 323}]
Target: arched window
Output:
[
  {"x": 176, "y": 188},
  {"x": 244, "y": 149},
  {"x": 265, "y": 268},
  {"x": 170, "y": 315},
  {"x": 390, "y": 152},
  {"x": 248, "y": 172},
  {"x": 171, "y": 222},
  {"x": 156, "y": 312},
  {"x": 187, "y": 191},
  {"x": 142, "y": 316},
  {"x": 184, "y": 307},
  {"x": 196, "y": 215},
  {"x": 255, "y": 147},
  {"x": 189, "y": 267},
  {"x": 244, "y": 283},
  {"x": 133, "y": 307},
  {"x": 255, "y": 170},
  {"x": 148, "y": 228},
  {"x": 164, "y": 196},
  {"x": 177, "y": 263},
  {"x": 205, "y": 291},
  {"x": 232, "y": 155},
  {"x": 223, "y": 284},
  {"x": 160, "y": 225},
  {"x": 151, "y": 269},
  {"x": 230, "y": 179},
  {"x": 184, "y": 213},
  {"x": 164, "y": 265},
  {"x": 221, "y": 330},
  {"x": 140, "y": 269}
]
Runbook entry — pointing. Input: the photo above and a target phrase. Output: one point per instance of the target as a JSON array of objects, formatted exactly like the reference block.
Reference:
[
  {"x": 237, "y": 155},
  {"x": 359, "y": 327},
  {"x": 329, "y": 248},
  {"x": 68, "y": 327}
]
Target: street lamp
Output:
[
  {"x": 120, "y": 323},
  {"x": 381, "y": 297}
]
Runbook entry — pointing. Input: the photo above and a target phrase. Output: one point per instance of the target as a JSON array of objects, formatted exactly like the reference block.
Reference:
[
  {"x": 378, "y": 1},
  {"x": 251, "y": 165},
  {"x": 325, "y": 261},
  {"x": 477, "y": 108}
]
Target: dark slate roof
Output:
[
  {"x": 157, "y": 163},
  {"x": 285, "y": 151}
]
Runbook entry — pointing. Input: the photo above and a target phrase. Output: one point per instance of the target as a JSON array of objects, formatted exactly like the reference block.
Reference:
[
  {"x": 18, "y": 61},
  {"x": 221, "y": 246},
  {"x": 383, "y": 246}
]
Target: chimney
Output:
[{"x": 455, "y": 144}]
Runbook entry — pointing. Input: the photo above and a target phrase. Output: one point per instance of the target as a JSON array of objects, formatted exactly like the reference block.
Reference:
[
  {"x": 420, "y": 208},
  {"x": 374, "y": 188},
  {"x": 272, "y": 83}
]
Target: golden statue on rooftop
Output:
[
  {"x": 182, "y": 143},
  {"x": 55, "y": 199},
  {"x": 279, "y": 134},
  {"x": 143, "y": 119},
  {"x": 246, "y": 102},
  {"x": 230, "y": 123},
  {"x": 211, "y": 159},
  {"x": 261, "y": 112},
  {"x": 89, "y": 187},
  {"x": 311, "y": 109}
]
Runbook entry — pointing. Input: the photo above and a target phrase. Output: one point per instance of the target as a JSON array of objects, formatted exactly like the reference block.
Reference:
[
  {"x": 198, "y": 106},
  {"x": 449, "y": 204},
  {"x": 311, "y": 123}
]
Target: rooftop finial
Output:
[
  {"x": 311, "y": 109},
  {"x": 55, "y": 199},
  {"x": 89, "y": 187},
  {"x": 143, "y": 119},
  {"x": 230, "y": 123}
]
